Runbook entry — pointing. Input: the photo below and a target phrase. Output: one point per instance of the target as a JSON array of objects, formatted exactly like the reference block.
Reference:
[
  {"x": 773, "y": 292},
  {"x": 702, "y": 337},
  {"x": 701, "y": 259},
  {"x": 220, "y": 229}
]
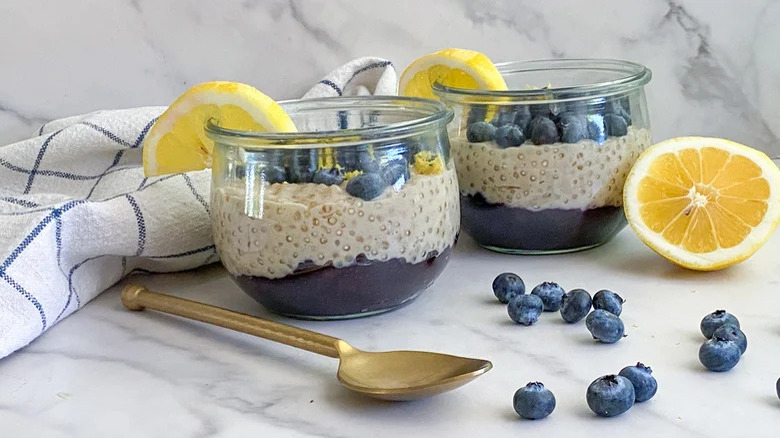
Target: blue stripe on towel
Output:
[
  {"x": 331, "y": 85},
  {"x": 38, "y": 160},
  {"x": 34, "y": 301},
  {"x": 139, "y": 217}
]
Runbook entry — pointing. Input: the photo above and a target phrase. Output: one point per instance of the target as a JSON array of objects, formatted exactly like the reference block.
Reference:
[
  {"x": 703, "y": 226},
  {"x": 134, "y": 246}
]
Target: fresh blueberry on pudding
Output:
[
  {"x": 372, "y": 228},
  {"x": 541, "y": 169}
]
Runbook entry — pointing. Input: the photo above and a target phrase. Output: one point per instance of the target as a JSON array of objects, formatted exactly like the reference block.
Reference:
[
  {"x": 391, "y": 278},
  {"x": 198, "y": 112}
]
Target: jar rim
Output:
[
  {"x": 634, "y": 75},
  {"x": 431, "y": 114}
]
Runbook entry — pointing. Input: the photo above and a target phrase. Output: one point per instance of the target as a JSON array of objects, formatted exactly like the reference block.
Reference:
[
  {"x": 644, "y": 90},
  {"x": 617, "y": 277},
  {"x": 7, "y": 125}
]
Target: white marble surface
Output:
[
  {"x": 714, "y": 61},
  {"x": 107, "y": 371}
]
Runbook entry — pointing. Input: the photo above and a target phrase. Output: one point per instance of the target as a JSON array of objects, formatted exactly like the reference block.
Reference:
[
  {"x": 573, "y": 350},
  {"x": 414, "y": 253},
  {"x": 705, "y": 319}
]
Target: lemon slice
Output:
[
  {"x": 703, "y": 203},
  {"x": 177, "y": 141},
  {"x": 452, "y": 67}
]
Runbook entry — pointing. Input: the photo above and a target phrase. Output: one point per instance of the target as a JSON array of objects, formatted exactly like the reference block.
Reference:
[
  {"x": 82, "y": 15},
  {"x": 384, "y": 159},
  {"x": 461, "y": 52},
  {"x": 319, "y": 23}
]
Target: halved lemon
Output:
[
  {"x": 177, "y": 141},
  {"x": 703, "y": 203},
  {"x": 452, "y": 67}
]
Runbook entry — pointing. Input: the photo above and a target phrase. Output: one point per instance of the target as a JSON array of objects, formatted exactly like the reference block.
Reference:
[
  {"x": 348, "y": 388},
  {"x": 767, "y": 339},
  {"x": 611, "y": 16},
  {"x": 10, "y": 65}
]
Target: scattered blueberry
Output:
[
  {"x": 480, "y": 131},
  {"x": 366, "y": 186},
  {"x": 777, "y": 386},
  {"x": 609, "y": 301},
  {"x": 396, "y": 171},
  {"x": 732, "y": 333},
  {"x": 611, "y": 395},
  {"x": 509, "y": 135},
  {"x": 597, "y": 131},
  {"x": 718, "y": 354},
  {"x": 641, "y": 376},
  {"x": 274, "y": 174},
  {"x": 711, "y": 322},
  {"x": 507, "y": 286},
  {"x": 329, "y": 177},
  {"x": 543, "y": 131},
  {"x": 525, "y": 309},
  {"x": 616, "y": 125},
  {"x": 605, "y": 326},
  {"x": 572, "y": 127},
  {"x": 534, "y": 401},
  {"x": 575, "y": 305},
  {"x": 551, "y": 295}
]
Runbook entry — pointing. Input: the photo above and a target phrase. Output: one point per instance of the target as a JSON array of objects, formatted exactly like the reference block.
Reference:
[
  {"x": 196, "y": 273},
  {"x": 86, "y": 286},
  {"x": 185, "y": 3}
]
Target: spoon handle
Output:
[{"x": 137, "y": 297}]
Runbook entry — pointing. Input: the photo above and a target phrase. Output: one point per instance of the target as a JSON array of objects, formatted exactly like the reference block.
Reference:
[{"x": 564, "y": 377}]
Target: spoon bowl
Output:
[
  {"x": 387, "y": 375},
  {"x": 405, "y": 375}
]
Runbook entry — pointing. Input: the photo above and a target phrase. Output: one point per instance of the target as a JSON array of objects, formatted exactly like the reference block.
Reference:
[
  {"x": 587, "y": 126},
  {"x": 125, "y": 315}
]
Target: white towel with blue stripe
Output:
[{"x": 77, "y": 214}]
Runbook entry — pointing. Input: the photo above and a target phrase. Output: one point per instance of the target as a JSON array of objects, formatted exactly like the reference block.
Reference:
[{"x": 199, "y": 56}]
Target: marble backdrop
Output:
[{"x": 714, "y": 62}]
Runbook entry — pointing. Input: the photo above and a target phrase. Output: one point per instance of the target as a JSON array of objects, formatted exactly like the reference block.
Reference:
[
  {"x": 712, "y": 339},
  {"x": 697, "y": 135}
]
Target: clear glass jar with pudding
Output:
[
  {"x": 541, "y": 166},
  {"x": 355, "y": 214}
]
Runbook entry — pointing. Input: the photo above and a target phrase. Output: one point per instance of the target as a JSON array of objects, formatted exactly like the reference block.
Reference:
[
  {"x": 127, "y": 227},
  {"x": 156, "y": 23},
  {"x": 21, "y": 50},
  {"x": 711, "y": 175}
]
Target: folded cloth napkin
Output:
[{"x": 77, "y": 213}]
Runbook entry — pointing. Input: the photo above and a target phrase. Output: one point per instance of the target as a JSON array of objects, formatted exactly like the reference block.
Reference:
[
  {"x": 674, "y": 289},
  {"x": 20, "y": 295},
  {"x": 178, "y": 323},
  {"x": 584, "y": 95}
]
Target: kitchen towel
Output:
[{"x": 77, "y": 213}]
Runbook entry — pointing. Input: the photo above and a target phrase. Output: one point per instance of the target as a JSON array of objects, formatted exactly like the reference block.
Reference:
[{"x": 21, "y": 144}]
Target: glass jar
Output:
[
  {"x": 355, "y": 214},
  {"x": 541, "y": 166}
]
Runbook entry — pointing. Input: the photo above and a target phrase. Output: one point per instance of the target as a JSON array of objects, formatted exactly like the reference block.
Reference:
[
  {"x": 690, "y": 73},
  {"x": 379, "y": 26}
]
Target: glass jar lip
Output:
[
  {"x": 635, "y": 75},
  {"x": 436, "y": 114}
]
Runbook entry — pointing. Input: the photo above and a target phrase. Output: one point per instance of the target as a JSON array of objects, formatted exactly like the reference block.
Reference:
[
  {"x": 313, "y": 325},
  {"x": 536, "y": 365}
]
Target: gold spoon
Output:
[{"x": 387, "y": 375}]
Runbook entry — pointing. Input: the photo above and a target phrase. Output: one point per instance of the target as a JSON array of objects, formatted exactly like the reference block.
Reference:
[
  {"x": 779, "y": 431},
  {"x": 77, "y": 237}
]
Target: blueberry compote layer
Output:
[
  {"x": 364, "y": 288},
  {"x": 550, "y": 230}
]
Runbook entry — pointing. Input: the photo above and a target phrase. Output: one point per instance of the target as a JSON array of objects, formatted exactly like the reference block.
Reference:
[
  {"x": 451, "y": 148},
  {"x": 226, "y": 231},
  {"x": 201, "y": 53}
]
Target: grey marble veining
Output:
[{"x": 714, "y": 63}]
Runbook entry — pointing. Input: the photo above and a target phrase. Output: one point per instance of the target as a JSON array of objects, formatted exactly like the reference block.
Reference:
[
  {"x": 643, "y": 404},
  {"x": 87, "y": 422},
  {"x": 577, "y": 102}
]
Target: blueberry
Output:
[
  {"x": 543, "y": 131},
  {"x": 777, "y": 387},
  {"x": 597, "y": 131},
  {"x": 504, "y": 116},
  {"x": 641, "y": 376},
  {"x": 605, "y": 326},
  {"x": 480, "y": 131},
  {"x": 366, "y": 163},
  {"x": 732, "y": 333},
  {"x": 718, "y": 354},
  {"x": 303, "y": 164},
  {"x": 522, "y": 117},
  {"x": 549, "y": 110},
  {"x": 551, "y": 295},
  {"x": 347, "y": 158},
  {"x": 572, "y": 127},
  {"x": 620, "y": 107},
  {"x": 616, "y": 125},
  {"x": 609, "y": 301},
  {"x": 611, "y": 395},
  {"x": 711, "y": 322},
  {"x": 534, "y": 401},
  {"x": 274, "y": 174},
  {"x": 525, "y": 309},
  {"x": 506, "y": 286},
  {"x": 366, "y": 186},
  {"x": 477, "y": 113},
  {"x": 396, "y": 171},
  {"x": 329, "y": 177},
  {"x": 509, "y": 135},
  {"x": 575, "y": 305}
]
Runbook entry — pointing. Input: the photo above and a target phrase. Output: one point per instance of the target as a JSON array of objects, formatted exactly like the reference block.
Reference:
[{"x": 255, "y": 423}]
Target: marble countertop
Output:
[{"x": 109, "y": 372}]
